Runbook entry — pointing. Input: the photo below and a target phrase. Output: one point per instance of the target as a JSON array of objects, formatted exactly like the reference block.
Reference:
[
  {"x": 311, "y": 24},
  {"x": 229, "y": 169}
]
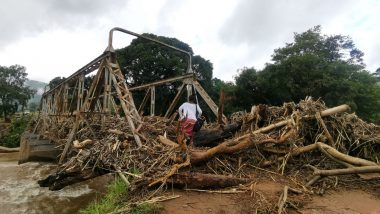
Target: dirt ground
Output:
[
  {"x": 267, "y": 193},
  {"x": 350, "y": 202}
]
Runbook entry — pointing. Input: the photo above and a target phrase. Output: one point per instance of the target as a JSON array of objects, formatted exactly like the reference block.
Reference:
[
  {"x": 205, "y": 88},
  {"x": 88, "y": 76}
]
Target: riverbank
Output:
[{"x": 9, "y": 157}]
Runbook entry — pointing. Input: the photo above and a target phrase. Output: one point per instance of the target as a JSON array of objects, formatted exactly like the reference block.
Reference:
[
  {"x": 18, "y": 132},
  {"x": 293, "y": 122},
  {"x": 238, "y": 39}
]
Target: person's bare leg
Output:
[{"x": 191, "y": 143}]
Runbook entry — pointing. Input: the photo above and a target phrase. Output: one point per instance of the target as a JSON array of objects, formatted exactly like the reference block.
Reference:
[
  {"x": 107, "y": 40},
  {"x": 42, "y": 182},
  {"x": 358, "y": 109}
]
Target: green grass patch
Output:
[
  {"x": 109, "y": 202},
  {"x": 112, "y": 201}
]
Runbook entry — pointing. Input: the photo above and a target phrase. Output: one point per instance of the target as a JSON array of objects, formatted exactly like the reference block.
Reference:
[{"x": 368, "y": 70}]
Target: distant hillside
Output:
[{"x": 37, "y": 85}]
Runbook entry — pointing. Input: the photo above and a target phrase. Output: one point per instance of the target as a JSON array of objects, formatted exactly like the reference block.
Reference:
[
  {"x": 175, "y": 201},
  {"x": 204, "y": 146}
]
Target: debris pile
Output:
[{"x": 306, "y": 142}]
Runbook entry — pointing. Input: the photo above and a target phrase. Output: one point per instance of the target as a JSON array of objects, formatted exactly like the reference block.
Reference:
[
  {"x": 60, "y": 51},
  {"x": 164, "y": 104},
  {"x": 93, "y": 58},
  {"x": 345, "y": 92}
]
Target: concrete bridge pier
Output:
[{"x": 32, "y": 148}]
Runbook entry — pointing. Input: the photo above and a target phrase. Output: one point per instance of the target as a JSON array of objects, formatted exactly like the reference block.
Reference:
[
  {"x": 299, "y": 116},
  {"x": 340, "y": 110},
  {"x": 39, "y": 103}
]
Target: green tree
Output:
[
  {"x": 18, "y": 126},
  {"x": 321, "y": 66},
  {"x": 33, "y": 106},
  {"x": 247, "y": 86},
  {"x": 377, "y": 74},
  {"x": 56, "y": 81},
  {"x": 13, "y": 93},
  {"x": 230, "y": 95},
  {"x": 144, "y": 62}
]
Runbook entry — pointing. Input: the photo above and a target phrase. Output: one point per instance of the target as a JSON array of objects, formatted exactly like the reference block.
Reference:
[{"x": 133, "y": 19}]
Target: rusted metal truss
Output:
[
  {"x": 106, "y": 93},
  {"x": 187, "y": 80}
]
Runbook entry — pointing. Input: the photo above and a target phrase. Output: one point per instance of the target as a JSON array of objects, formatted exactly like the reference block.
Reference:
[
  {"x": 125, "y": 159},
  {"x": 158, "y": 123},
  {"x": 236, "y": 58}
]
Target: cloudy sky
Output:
[{"x": 57, "y": 37}]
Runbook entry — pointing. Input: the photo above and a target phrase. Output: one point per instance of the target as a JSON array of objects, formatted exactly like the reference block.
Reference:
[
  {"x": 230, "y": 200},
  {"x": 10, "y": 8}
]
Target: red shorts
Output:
[{"x": 187, "y": 127}]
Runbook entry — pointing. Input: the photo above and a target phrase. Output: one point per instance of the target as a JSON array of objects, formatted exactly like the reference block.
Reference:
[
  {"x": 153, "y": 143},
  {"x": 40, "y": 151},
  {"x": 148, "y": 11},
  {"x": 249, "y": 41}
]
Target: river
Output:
[{"x": 20, "y": 193}]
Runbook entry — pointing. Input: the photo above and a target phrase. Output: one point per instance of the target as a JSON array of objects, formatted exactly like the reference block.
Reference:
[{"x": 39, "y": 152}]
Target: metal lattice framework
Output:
[{"x": 107, "y": 94}]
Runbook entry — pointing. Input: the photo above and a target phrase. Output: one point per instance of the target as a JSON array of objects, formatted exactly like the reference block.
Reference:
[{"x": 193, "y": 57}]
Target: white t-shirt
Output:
[{"x": 187, "y": 110}]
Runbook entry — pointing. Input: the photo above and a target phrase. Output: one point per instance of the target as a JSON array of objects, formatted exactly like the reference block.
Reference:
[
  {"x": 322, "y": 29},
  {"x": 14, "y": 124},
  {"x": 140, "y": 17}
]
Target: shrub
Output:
[{"x": 18, "y": 126}]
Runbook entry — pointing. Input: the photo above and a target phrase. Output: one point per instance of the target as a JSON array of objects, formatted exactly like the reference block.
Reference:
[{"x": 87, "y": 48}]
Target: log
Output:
[
  {"x": 203, "y": 181},
  {"x": 8, "y": 150},
  {"x": 282, "y": 200},
  {"x": 295, "y": 152},
  {"x": 319, "y": 173},
  {"x": 353, "y": 170},
  {"x": 363, "y": 176},
  {"x": 68, "y": 141},
  {"x": 313, "y": 180},
  {"x": 327, "y": 133},
  {"x": 167, "y": 142},
  {"x": 211, "y": 137},
  {"x": 346, "y": 158},
  {"x": 81, "y": 145},
  {"x": 233, "y": 146},
  {"x": 221, "y": 108},
  {"x": 335, "y": 110},
  {"x": 63, "y": 179}
]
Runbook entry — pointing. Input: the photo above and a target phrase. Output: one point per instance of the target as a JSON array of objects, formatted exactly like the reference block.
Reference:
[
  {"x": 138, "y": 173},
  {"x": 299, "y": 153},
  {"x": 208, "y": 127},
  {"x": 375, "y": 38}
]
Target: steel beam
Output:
[{"x": 161, "y": 82}]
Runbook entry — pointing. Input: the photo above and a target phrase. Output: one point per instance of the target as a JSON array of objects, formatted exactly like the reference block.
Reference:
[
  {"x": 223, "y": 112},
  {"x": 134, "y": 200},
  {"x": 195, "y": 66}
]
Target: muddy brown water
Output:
[{"x": 20, "y": 193}]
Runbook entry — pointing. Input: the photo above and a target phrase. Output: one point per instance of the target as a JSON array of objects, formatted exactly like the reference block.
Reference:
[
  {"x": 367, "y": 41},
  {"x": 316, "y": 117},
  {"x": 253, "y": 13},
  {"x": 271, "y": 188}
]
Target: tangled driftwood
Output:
[{"x": 282, "y": 138}]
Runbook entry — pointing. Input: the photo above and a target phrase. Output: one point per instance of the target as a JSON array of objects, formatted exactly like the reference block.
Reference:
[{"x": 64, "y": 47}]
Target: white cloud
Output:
[
  {"x": 23, "y": 18},
  {"x": 57, "y": 37},
  {"x": 54, "y": 53},
  {"x": 266, "y": 25}
]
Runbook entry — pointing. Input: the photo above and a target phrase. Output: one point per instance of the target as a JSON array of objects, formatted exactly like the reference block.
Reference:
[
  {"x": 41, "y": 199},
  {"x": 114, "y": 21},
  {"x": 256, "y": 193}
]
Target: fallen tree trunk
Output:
[
  {"x": 199, "y": 180},
  {"x": 282, "y": 200},
  {"x": 233, "y": 146},
  {"x": 8, "y": 150},
  {"x": 319, "y": 173},
  {"x": 329, "y": 151},
  {"x": 346, "y": 158},
  {"x": 367, "y": 176},
  {"x": 353, "y": 170},
  {"x": 211, "y": 137},
  {"x": 295, "y": 152},
  {"x": 61, "y": 180},
  {"x": 167, "y": 142}
]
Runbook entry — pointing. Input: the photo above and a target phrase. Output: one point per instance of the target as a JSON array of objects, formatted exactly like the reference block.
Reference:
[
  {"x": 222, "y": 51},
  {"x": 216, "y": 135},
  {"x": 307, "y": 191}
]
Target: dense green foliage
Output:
[
  {"x": 326, "y": 67},
  {"x": 18, "y": 126},
  {"x": 144, "y": 62},
  {"x": 56, "y": 81},
  {"x": 33, "y": 107},
  {"x": 13, "y": 92}
]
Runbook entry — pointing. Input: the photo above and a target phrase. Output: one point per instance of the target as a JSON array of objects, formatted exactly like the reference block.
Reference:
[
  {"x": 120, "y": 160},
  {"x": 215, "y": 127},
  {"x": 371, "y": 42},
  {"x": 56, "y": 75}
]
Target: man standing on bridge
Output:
[{"x": 188, "y": 114}]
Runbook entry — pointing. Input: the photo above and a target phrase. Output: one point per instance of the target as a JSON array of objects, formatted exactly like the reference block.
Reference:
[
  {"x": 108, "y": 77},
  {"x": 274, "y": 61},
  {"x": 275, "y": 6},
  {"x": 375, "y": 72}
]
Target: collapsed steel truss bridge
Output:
[{"x": 108, "y": 94}]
